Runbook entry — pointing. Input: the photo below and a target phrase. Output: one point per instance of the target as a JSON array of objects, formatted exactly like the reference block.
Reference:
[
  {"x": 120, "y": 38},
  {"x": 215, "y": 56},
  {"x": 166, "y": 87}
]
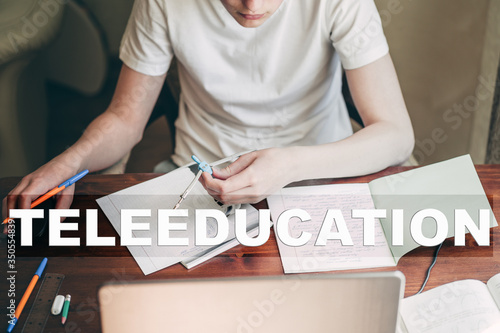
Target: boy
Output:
[{"x": 255, "y": 74}]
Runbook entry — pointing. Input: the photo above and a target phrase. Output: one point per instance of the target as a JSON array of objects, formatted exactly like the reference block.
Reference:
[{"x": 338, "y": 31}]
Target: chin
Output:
[{"x": 250, "y": 25}]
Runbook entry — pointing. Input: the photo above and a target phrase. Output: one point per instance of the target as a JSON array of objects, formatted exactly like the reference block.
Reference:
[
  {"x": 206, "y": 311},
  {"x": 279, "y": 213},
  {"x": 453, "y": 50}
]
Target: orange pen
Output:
[
  {"x": 55, "y": 190},
  {"x": 26, "y": 295}
]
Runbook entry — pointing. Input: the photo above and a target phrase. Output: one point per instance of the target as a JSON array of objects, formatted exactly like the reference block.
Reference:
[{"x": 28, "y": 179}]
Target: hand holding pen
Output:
[
  {"x": 205, "y": 167},
  {"x": 55, "y": 190}
]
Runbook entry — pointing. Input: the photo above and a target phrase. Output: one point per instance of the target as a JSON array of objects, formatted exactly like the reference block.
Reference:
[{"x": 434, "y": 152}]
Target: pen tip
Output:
[{"x": 63, "y": 321}]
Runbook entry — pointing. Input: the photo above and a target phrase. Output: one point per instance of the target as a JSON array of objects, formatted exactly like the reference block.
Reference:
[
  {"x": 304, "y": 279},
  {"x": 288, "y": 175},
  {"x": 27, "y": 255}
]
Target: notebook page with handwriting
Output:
[{"x": 316, "y": 200}]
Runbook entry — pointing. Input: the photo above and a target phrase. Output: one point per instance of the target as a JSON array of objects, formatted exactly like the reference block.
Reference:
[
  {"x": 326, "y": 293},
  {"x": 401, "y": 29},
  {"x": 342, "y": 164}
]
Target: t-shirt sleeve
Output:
[
  {"x": 356, "y": 32},
  {"x": 145, "y": 45}
]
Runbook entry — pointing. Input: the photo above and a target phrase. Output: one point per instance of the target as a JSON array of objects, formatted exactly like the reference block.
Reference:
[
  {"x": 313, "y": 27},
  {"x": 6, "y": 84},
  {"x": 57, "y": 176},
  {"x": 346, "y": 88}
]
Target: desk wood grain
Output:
[{"x": 86, "y": 268}]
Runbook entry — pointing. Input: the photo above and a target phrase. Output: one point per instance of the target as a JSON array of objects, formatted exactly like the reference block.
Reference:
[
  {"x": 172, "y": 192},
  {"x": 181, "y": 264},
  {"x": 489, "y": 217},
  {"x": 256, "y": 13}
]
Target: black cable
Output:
[{"x": 430, "y": 267}]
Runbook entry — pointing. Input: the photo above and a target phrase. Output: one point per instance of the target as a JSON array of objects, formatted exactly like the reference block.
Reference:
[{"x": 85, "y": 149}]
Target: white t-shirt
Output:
[{"x": 250, "y": 88}]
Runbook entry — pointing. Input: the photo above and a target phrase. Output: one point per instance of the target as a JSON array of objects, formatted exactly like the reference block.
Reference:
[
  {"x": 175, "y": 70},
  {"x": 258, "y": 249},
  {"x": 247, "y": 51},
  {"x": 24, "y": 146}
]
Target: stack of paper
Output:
[{"x": 163, "y": 193}]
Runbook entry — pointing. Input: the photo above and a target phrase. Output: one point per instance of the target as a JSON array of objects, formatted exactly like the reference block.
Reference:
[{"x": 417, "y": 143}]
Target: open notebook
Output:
[
  {"x": 445, "y": 186},
  {"x": 354, "y": 303}
]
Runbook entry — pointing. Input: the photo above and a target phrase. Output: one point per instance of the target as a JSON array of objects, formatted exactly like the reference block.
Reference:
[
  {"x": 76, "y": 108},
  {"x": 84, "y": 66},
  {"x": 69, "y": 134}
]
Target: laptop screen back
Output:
[{"x": 363, "y": 302}]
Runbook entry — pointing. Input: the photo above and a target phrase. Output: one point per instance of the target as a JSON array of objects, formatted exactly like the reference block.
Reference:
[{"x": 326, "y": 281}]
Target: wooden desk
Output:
[{"x": 86, "y": 268}]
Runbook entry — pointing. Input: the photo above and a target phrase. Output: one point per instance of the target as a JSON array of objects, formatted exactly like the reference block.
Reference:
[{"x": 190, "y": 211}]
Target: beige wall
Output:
[{"x": 437, "y": 47}]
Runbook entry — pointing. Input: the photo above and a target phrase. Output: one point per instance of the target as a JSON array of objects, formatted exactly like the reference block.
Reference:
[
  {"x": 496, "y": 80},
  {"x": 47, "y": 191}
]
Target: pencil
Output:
[
  {"x": 26, "y": 295},
  {"x": 65, "y": 309},
  {"x": 54, "y": 191}
]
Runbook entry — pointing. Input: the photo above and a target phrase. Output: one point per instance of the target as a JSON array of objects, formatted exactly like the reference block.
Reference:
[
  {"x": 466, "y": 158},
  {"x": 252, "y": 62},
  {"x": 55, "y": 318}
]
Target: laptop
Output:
[{"x": 360, "y": 302}]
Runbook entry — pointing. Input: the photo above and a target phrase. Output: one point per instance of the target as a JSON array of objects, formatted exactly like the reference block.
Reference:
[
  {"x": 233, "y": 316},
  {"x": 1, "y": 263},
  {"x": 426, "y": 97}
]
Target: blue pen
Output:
[{"x": 26, "y": 295}]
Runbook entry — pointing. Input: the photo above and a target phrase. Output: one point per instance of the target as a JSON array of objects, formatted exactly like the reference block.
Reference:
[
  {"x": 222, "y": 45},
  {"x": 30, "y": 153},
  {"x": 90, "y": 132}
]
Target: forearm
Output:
[
  {"x": 107, "y": 139},
  {"x": 369, "y": 150},
  {"x": 114, "y": 133},
  {"x": 386, "y": 140}
]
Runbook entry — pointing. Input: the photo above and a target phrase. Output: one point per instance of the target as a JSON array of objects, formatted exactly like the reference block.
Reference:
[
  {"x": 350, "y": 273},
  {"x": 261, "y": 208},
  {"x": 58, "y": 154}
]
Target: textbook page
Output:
[
  {"x": 460, "y": 306},
  {"x": 445, "y": 186},
  {"x": 494, "y": 287},
  {"x": 316, "y": 200},
  {"x": 163, "y": 192}
]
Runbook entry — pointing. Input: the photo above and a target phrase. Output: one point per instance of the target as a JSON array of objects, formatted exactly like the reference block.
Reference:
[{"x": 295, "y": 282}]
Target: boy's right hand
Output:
[{"x": 38, "y": 183}]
